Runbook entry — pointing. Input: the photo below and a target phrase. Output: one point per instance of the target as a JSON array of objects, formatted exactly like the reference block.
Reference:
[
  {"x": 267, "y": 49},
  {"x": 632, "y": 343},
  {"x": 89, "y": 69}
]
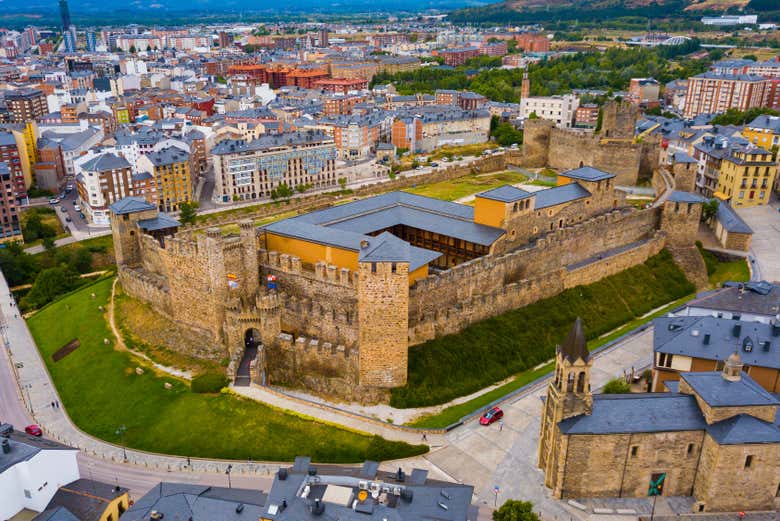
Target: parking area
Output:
[{"x": 765, "y": 222}]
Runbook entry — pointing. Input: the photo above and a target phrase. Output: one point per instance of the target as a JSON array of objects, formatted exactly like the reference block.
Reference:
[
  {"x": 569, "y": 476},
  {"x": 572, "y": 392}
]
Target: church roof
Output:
[
  {"x": 575, "y": 346},
  {"x": 131, "y": 205},
  {"x": 716, "y": 391},
  {"x": 743, "y": 428},
  {"x": 635, "y": 413}
]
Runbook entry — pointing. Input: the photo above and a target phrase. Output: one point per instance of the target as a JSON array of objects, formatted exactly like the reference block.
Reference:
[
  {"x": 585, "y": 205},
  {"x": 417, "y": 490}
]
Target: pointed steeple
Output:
[{"x": 575, "y": 346}]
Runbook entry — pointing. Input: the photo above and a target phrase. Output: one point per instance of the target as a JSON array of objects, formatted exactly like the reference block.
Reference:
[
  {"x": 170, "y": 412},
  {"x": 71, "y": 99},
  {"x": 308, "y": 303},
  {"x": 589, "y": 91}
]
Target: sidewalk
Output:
[{"x": 77, "y": 236}]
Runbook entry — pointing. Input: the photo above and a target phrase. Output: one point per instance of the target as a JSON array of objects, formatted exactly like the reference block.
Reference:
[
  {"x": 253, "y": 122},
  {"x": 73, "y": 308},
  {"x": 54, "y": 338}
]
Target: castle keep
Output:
[{"x": 331, "y": 299}]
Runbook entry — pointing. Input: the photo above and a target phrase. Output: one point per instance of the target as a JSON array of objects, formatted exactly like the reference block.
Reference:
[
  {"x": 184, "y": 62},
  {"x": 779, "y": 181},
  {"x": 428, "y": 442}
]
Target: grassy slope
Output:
[
  {"x": 489, "y": 351},
  {"x": 101, "y": 391},
  {"x": 456, "y": 412}
]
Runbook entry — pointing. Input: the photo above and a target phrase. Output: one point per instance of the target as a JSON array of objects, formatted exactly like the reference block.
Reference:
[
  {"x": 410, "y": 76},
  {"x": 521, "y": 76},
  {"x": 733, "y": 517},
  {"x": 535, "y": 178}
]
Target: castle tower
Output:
[
  {"x": 680, "y": 218},
  {"x": 568, "y": 394},
  {"x": 619, "y": 119},
  {"x": 383, "y": 311},
  {"x": 525, "y": 87},
  {"x": 125, "y": 216},
  {"x": 251, "y": 262}
]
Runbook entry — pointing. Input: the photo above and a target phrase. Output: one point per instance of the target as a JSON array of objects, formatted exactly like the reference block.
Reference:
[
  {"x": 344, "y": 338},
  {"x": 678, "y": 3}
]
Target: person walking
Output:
[{"x": 500, "y": 425}]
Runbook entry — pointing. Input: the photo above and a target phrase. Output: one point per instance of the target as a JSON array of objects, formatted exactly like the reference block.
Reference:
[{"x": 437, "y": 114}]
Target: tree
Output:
[
  {"x": 17, "y": 266},
  {"x": 282, "y": 192},
  {"x": 343, "y": 183},
  {"x": 82, "y": 260},
  {"x": 132, "y": 49},
  {"x": 187, "y": 212},
  {"x": 49, "y": 284},
  {"x": 616, "y": 386},
  {"x": 709, "y": 209},
  {"x": 148, "y": 48},
  {"x": 514, "y": 510},
  {"x": 533, "y": 115}
]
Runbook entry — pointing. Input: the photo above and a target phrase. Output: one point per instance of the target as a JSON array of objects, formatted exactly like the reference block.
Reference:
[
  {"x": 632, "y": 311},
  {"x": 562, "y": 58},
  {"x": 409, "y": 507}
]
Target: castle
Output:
[
  {"x": 614, "y": 149},
  {"x": 713, "y": 437},
  {"x": 332, "y": 299}
]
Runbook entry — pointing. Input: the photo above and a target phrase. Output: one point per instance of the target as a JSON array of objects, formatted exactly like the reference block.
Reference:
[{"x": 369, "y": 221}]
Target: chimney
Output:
[
  {"x": 736, "y": 330},
  {"x": 706, "y": 341},
  {"x": 6, "y": 446}
]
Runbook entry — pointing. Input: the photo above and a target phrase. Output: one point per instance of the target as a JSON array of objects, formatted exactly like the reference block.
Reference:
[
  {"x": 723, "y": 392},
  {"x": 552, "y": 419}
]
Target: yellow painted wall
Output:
[
  {"x": 489, "y": 212},
  {"x": 730, "y": 184},
  {"x": 563, "y": 180},
  {"x": 24, "y": 156},
  {"x": 111, "y": 513},
  {"x": 312, "y": 252},
  {"x": 764, "y": 138},
  {"x": 419, "y": 273}
]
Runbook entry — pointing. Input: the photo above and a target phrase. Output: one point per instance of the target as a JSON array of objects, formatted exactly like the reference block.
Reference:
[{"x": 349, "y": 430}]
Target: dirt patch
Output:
[
  {"x": 163, "y": 340},
  {"x": 65, "y": 350}
]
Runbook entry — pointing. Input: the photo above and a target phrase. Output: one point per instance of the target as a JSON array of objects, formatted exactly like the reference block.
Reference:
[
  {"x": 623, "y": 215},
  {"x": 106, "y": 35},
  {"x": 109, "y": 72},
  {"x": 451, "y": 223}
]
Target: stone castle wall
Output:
[
  {"x": 487, "y": 286},
  {"x": 319, "y": 302}
]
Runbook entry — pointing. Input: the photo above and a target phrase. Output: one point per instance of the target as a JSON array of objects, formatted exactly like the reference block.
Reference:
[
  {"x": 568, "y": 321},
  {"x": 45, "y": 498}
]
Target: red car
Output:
[
  {"x": 33, "y": 430},
  {"x": 492, "y": 415}
]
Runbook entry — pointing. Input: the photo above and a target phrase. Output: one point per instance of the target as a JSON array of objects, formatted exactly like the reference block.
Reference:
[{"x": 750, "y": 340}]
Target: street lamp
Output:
[
  {"x": 121, "y": 433},
  {"x": 29, "y": 400},
  {"x": 227, "y": 471}
]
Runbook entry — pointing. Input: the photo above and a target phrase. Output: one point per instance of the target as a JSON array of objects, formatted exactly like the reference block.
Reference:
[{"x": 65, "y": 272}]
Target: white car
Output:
[
  {"x": 54, "y": 200},
  {"x": 77, "y": 207}
]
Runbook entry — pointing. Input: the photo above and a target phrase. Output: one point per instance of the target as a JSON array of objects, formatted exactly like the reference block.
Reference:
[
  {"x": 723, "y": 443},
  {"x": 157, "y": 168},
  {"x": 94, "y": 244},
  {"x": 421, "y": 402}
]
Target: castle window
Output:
[
  {"x": 373, "y": 267},
  {"x": 748, "y": 461},
  {"x": 570, "y": 383},
  {"x": 634, "y": 451},
  {"x": 690, "y": 450},
  {"x": 393, "y": 267},
  {"x": 581, "y": 382},
  {"x": 126, "y": 217}
]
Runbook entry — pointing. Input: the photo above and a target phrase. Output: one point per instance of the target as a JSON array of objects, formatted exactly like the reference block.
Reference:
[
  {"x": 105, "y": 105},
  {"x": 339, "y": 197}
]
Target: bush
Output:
[
  {"x": 49, "y": 284},
  {"x": 380, "y": 449},
  {"x": 210, "y": 382},
  {"x": 616, "y": 386},
  {"x": 489, "y": 351},
  {"x": 514, "y": 510}
]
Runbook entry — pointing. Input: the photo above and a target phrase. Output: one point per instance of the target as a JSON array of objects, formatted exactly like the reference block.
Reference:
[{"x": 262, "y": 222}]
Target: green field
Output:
[
  {"x": 494, "y": 349},
  {"x": 736, "y": 271},
  {"x": 466, "y": 185},
  {"x": 101, "y": 390}
]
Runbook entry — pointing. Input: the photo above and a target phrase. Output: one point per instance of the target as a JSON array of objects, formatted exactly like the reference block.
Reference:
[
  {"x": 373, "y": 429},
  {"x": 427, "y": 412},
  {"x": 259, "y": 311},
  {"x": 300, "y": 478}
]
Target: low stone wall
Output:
[{"x": 147, "y": 287}]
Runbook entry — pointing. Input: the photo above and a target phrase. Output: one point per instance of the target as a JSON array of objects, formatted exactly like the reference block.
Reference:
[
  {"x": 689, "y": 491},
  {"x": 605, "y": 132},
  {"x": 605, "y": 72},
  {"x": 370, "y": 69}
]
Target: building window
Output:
[
  {"x": 27, "y": 494},
  {"x": 690, "y": 450},
  {"x": 748, "y": 461},
  {"x": 634, "y": 451}
]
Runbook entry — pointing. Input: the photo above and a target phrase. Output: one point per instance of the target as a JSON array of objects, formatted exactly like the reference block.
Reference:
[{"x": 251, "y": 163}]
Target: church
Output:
[{"x": 714, "y": 436}]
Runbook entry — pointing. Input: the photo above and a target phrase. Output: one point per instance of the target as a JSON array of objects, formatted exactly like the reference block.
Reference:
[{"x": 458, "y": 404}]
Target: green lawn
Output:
[
  {"x": 494, "y": 349},
  {"x": 101, "y": 390},
  {"x": 466, "y": 185},
  {"x": 454, "y": 413},
  {"x": 737, "y": 271}
]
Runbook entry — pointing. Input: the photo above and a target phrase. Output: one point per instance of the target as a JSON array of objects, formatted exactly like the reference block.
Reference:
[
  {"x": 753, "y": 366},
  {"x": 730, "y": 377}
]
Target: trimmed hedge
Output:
[
  {"x": 489, "y": 351},
  {"x": 209, "y": 382}
]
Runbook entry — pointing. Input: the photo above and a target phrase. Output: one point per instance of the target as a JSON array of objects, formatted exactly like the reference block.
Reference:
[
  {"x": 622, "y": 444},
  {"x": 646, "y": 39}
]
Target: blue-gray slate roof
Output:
[
  {"x": 337, "y": 491},
  {"x": 679, "y": 196},
  {"x": 588, "y": 173},
  {"x": 505, "y": 194},
  {"x": 160, "y": 222},
  {"x": 197, "y": 503},
  {"x": 712, "y": 338},
  {"x": 636, "y": 413},
  {"x": 716, "y": 391},
  {"x": 131, "y": 205},
  {"x": 743, "y": 429},
  {"x": 347, "y": 226},
  {"x": 729, "y": 219},
  {"x": 559, "y": 195}
]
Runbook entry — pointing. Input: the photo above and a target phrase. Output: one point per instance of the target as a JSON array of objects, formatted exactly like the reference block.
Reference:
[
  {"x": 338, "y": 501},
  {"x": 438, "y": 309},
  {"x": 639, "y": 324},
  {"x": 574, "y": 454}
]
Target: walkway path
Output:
[{"x": 765, "y": 222}]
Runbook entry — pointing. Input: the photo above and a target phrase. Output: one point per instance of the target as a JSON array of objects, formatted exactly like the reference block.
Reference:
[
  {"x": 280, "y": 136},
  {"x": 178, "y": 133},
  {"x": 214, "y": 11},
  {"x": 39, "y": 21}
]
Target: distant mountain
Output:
[{"x": 529, "y": 11}]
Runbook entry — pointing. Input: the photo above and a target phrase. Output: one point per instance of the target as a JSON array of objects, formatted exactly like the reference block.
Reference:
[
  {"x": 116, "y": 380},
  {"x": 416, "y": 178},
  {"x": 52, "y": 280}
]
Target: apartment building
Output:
[
  {"x": 560, "y": 109},
  {"x": 425, "y": 128},
  {"x": 711, "y": 93},
  {"x": 170, "y": 168},
  {"x": 12, "y": 158},
  {"x": 26, "y": 104},
  {"x": 764, "y": 131},
  {"x": 459, "y": 56},
  {"x": 10, "y": 225},
  {"x": 105, "y": 179},
  {"x": 251, "y": 170}
]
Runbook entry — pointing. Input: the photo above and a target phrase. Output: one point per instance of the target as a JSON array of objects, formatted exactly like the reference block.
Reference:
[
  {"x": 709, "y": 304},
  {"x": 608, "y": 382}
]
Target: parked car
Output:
[
  {"x": 435, "y": 165},
  {"x": 76, "y": 207},
  {"x": 68, "y": 219},
  {"x": 33, "y": 430},
  {"x": 54, "y": 200},
  {"x": 492, "y": 415},
  {"x": 63, "y": 209},
  {"x": 81, "y": 214}
]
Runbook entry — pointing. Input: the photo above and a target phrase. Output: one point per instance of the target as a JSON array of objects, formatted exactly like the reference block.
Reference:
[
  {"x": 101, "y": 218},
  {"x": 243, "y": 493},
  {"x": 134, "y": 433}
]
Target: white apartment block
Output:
[{"x": 559, "y": 109}]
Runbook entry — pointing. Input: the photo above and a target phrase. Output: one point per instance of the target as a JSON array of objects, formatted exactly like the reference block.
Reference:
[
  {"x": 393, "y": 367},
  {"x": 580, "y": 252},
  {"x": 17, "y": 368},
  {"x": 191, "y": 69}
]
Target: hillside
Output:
[{"x": 533, "y": 11}]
